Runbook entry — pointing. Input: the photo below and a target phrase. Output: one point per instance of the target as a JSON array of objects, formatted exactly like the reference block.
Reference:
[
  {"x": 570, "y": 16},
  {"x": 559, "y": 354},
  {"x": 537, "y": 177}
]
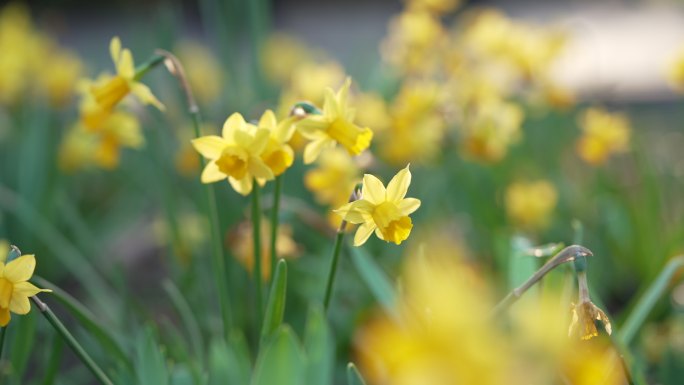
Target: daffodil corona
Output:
[
  {"x": 15, "y": 289},
  {"x": 236, "y": 155},
  {"x": 384, "y": 211},
  {"x": 334, "y": 126}
]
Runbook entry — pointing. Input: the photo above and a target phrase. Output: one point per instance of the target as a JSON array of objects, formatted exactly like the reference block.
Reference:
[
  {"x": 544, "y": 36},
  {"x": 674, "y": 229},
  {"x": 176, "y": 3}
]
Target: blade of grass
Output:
[
  {"x": 188, "y": 318},
  {"x": 275, "y": 309},
  {"x": 376, "y": 279}
]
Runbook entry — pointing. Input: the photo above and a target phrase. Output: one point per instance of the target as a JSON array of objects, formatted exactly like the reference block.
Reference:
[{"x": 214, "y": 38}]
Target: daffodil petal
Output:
[
  {"x": 242, "y": 186},
  {"x": 259, "y": 169},
  {"x": 268, "y": 120},
  {"x": 210, "y": 146},
  {"x": 4, "y": 316},
  {"x": 313, "y": 149},
  {"x": 408, "y": 205},
  {"x": 211, "y": 173},
  {"x": 27, "y": 289},
  {"x": 145, "y": 95},
  {"x": 373, "y": 189},
  {"x": 235, "y": 122},
  {"x": 312, "y": 126},
  {"x": 20, "y": 269},
  {"x": 378, "y": 234},
  {"x": 115, "y": 49},
  {"x": 363, "y": 233},
  {"x": 398, "y": 186},
  {"x": 359, "y": 212},
  {"x": 259, "y": 143},
  {"x": 20, "y": 304},
  {"x": 125, "y": 67}
]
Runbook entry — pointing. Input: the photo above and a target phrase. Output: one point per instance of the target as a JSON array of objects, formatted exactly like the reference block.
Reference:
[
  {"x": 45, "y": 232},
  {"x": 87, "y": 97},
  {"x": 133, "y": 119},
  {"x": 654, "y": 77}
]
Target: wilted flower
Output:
[
  {"x": 236, "y": 155},
  {"x": 383, "y": 211},
  {"x": 336, "y": 125},
  {"x": 15, "y": 289},
  {"x": 604, "y": 134},
  {"x": 529, "y": 205},
  {"x": 584, "y": 317}
]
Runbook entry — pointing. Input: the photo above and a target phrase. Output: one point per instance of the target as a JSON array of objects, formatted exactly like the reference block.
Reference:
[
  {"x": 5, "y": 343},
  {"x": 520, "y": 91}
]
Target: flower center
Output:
[
  {"x": 353, "y": 138},
  {"x": 278, "y": 161},
  {"x": 6, "y": 289},
  {"x": 111, "y": 93},
  {"x": 393, "y": 226},
  {"x": 233, "y": 162}
]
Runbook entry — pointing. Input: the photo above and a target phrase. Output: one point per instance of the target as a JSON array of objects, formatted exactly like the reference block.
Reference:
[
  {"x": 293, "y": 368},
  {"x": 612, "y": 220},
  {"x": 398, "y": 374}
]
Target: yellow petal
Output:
[
  {"x": 20, "y": 304},
  {"x": 211, "y": 173},
  {"x": 210, "y": 146},
  {"x": 311, "y": 127},
  {"x": 20, "y": 269},
  {"x": 285, "y": 129},
  {"x": 242, "y": 186},
  {"x": 373, "y": 189},
  {"x": 259, "y": 169},
  {"x": 398, "y": 186},
  {"x": 268, "y": 120},
  {"x": 357, "y": 212},
  {"x": 115, "y": 49},
  {"x": 27, "y": 289},
  {"x": 259, "y": 142},
  {"x": 363, "y": 233},
  {"x": 145, "y": 95},
  {"x": 408, "y": 205},
  {"x": 235, "y": 122},
  {"x": 4, "y": 316},
  {"x": 125, "y": 67},
  {"x": 342, "y": 96},
  {"x": 314, "y": 148}
]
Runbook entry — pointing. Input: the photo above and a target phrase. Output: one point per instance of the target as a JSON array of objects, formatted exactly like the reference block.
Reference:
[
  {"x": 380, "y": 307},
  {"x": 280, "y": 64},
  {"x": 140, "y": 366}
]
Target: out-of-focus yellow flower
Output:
[
  {"x": 490, "y": 128},
  {"x": 236, "y": 155},
  {"x": 334, "y": 126},
  {"x": 593, "y": 364},
  {"x": 109, "y": 91},
  {"x": 414, "y": 41},
  {"x": 383, "y": 211},
  {"x": 242, "y": 244},
  {"x": 82, "y": 147},
  {"x": 529, "y": 205},
  {"x": 436, "y": 6},
  {"x": 60, "y": 77},
  {"x": 308, "y": 82},
  {"x": 372, "y": 111},
  {"x": 604, "y": 134},
  {"x": 277, "y": 155},
  {"x": 584, "y": 317},
  {"x": 203, "y": 70},
  {"x": 195, "y": 228},
  {"x": 15, "y": 289},
  {"x": 281, "y": 55},
  {"x": 675, "y": 72},
  {"x": 442, "y": 335}
]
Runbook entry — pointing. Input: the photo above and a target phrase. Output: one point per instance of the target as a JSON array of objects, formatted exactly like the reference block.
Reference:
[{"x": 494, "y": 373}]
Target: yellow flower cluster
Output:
[
  {"x": 529, "y": 205},
  {"x": 603, "y": 134},
  {"x": 103, "y": 129},
  {"x": 32, "y": 63}
]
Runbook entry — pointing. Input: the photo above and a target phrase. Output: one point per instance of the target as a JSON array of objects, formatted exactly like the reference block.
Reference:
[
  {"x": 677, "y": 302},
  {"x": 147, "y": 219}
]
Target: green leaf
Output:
[
  {"x": 319, "y": 347},
  {"x": 648, "y": 300},
  {"x": 181, "y": 375},
  {"x": 150, "y": 364},
  {"x": 23, "y": 329},
  {"x": 229, "y": 363},
  {"x": 275, "y": 308},
  {"x": 188, "y": 318},
  {"x": 353, "y": 375},
  {"x": 376, "y": 280},
  {"x": 281, "y": 361}
]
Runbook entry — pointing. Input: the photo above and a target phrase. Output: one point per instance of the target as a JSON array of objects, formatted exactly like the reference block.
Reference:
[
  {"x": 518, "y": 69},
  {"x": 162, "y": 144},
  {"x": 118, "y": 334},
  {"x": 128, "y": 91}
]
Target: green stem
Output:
[
  {"x": 71, "y": 341},
  {"x": 3, "y": 331},
  {"x": 333, "y": 264},
  {"x": 256, "y": 236},
  {"x": 145, "y": 67},
  {"x": 278, "y": 188}
]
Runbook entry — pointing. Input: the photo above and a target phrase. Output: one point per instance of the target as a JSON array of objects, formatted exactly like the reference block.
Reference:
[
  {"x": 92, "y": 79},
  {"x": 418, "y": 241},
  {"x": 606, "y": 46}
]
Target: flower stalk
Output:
[
  {"x": 71, "y": 341},
  {"x": 256, "y": 236},
  {"x": 277, "y": 191}
]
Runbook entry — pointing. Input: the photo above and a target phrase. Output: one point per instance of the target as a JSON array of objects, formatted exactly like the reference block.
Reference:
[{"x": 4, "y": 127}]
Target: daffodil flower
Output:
[
  {"x": 15, "y": 289},
  {"x": 109, "y": 91},
  {"x": 236, "y": 155},
  {"x": 383, "y": 211},
  {"x": 277, "y": 155},
  {"x": 584, "y": 317},
  {"x": 335, "y": 125}
]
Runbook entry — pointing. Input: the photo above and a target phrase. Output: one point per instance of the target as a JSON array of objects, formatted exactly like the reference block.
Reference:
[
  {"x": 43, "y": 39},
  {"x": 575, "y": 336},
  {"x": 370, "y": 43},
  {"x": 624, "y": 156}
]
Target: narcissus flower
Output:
[
  {"x": 236, "y": 155},
  {"x": 383, "y": 210},
  {"x": 604, "y": 134},
  {"x": 277, "y": 155},
  {"x": 334, "y": 126},
  {"x": 15, "y": 289},
  {"x": 584, "y": 317},
  {"x": 529, "y": 205},
  {"x": 109, "y": 91}
]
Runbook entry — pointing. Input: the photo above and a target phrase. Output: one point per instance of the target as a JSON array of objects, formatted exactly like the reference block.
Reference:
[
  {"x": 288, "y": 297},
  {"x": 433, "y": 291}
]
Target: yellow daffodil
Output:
[
  {"x": 384, "y": 211},
  {"x": 604, "y": 134},
  {"x": 15, "y": 289},
  {"x": 277, "y": 155},
  {"x": 334, "y": 126},
  {"x": 529, "y": 205},
  {"x": 584, "y": 317},
  {"x": 490, "y": 128},
  {"x": 236, "y": 155},
  {"x": 242, "y": 244},
  {"x": 58, "y": 80},
  {"x": 109, "y": 91}
]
